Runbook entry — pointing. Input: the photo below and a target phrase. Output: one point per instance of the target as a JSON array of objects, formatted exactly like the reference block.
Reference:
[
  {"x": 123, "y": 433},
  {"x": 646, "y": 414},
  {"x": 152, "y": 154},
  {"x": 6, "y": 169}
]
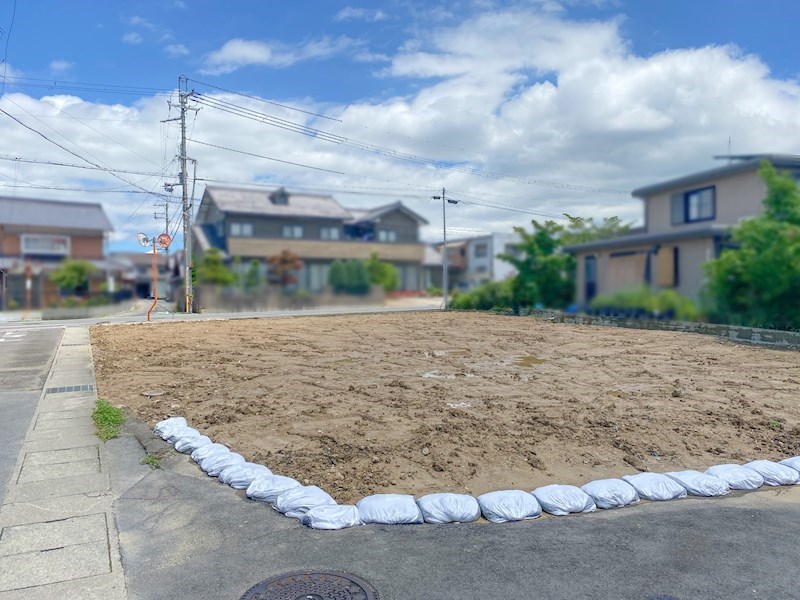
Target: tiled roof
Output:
[
  {"x": 53, "y": 213},
  {"x": 257, "y": 202}
]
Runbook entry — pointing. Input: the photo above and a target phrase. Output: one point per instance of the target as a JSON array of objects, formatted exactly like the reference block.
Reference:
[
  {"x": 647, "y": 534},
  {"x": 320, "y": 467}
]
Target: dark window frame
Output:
[{"x": 686, "y": 203}]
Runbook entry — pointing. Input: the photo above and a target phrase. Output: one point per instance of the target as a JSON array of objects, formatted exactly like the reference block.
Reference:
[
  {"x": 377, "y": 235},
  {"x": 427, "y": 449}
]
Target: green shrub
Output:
[
  {"x": 644, "y": 299},
  {"x": 495, "y": 295}
]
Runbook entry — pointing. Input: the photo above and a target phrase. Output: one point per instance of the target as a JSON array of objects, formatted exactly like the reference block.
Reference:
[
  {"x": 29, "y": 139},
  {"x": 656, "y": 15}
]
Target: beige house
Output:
[{"x": 687, "y": 223}]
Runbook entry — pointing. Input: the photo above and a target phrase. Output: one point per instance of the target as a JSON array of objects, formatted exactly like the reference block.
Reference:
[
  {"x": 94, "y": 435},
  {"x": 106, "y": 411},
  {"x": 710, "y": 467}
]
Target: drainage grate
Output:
[
  {"x": 312, "y": 585},
  {"x": 89, "y": 387}
]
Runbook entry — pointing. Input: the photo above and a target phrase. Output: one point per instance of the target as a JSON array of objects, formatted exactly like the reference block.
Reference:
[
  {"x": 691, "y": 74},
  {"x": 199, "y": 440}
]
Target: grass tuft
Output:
[
  {"x": 151, "y": 461},
  {"x": 108, "y": 419}
]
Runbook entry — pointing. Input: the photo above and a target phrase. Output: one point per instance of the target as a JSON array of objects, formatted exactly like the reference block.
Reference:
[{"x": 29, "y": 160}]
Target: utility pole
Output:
[
  {"x": 183, "y": 100},
  {"x": 444, "y": 246}
]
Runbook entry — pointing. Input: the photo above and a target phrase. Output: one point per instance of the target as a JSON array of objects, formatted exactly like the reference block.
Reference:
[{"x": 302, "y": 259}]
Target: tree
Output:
[
  {"x": 581, "y": 230},
  {"x": 283, "y": 269},
  {"x": 757, "y": 281},
  {"x": 213, "y": 270},
  {"x": 337, "y": 278},
  {"x": 357, "y": 277},
  {"x": 253, "y": 278},
  {"x": 73, "y": 275},
  {"x": 382, "y": 273},
  {"x": 545, "y": 275}
]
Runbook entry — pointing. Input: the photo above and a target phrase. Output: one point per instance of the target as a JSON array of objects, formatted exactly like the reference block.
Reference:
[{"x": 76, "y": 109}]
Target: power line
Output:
[
  {"x": 5, "y": 52},
  {"x": 52, "y": 84},
  {"x": 272, "y": 102},
  {"x": 74, "y": 166},
  {"x": 42, "y": 135},
  {"x": 288, "y": 162},
  {"x": 326, "y": 136}
]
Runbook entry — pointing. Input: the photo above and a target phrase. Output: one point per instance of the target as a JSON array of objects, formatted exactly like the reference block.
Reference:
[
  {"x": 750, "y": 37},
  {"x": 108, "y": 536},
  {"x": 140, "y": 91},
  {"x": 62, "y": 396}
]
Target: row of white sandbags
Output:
[{"x": 318, "y": 509}]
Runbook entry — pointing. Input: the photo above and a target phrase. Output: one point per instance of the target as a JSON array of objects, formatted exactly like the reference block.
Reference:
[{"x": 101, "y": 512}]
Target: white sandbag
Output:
[
  {"x": 700, "y": 484},
  {"x": 509, "y": 505},
  {"x": 655, "y": 486},
  {"x": 240, "y": 476},
  {"x": 611, "y": 493},
  {"x": 268, "y": 488},
  {"x": 172, "y": 435},
  {"x": 737, "y": 476},
  {"x": 562, "y": 500},
  {"x": 792, "y": 463},
  {"x": 298, "y": 501},
  {"x": 190, "y": 444},
  {"x": 214, "y": 465},
  {"x": 332, "y": 516},
  {"x": 449, "y": 508},
  {"x": 389, "y": 509},
  {"x": 207, "y": 450},
  {"x": 774, "y": 473},
  {"x": 167, "y": 424}
]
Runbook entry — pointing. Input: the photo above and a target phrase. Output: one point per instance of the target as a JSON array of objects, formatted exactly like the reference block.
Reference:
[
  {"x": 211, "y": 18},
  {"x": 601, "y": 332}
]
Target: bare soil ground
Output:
[{"x": 425, "y": 402}]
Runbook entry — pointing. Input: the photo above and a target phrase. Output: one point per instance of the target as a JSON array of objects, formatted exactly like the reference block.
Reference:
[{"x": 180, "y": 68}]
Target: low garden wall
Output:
[{"x": 753, "y": 335}]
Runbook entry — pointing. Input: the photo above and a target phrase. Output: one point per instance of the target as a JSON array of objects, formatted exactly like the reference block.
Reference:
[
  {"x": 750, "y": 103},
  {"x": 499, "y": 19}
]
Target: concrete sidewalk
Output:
[{"x": 58, "y": 537}]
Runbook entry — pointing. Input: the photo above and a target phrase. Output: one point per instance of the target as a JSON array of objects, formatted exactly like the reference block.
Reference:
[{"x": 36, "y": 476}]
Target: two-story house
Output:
[
  {"x": 36, "y": 235},
  {"x": 474, "y": 261},
  {"x": 258, "y": 223},
  {"x": 687, "y": 223}
]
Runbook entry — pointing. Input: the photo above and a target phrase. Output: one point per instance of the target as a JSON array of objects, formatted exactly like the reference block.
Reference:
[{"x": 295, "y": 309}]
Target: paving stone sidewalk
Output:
[{"x": 58, "y": 537}]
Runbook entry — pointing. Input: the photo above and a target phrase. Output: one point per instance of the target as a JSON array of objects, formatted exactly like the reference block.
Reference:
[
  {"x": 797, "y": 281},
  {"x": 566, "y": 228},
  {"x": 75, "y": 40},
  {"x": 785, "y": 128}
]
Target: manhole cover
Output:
[{"x": 316, "y": 585}]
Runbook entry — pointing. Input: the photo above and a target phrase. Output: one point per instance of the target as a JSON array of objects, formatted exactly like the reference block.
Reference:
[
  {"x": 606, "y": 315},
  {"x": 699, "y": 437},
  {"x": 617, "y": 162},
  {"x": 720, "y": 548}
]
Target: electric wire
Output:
[
  {"x": 272, "y": 102},
  {"x": 326, "y": 136},
  {"x": 5, "y": 51},
  {"x": 287, "y": 162}
]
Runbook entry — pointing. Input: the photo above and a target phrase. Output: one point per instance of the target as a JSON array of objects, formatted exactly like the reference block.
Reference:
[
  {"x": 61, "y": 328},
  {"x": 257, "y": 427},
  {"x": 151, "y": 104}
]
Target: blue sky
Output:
[{"x": 600, "y": 95}]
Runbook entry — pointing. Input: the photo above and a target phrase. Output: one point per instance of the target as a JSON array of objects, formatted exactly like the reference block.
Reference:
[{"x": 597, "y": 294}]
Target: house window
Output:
[
  {"x": 292, "y": 231},
  {"x": 481, "y": 269},
  {"x": 481, "y": 250},
  {"x": 241, "y": 230},
  {"x": 694, "y": 205},
  {"x": 45, "y": 244},
  {"x": 387, "y": 235},
  {"x": 329, "y": 233}
]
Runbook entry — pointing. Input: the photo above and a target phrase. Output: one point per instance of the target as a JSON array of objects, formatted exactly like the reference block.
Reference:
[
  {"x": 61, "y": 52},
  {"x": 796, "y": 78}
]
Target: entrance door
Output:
[{"x": 590, "y": 277}]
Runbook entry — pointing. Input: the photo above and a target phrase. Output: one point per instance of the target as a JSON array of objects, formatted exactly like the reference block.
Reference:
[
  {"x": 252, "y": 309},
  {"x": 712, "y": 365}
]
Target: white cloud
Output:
[
  {"x": 533, "y": 95},
  {"x": 351, "y": 13},
  {"x": 176, "y": 50},
  {"x": 60, "y": 66},
  {"x": 141, "y": 22},
  {"x": 132, "y": 38},
  {"x": 238, "y": 53}
]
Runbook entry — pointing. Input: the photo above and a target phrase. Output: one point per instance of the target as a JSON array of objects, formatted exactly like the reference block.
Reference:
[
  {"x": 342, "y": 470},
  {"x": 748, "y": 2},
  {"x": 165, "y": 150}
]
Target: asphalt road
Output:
[
  {"x": 184, "y": 535},
  {"x": 25, "y": 358}
]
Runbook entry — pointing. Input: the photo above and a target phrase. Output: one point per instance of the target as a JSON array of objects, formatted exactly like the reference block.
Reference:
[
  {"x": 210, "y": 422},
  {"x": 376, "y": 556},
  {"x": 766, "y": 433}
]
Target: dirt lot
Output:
[{"x": 428, "y": 402}]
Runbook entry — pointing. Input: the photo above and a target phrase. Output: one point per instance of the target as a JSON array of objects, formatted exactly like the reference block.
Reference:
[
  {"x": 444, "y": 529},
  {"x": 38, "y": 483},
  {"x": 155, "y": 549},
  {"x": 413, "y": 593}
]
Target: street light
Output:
[{"x": 443, "y": 198}]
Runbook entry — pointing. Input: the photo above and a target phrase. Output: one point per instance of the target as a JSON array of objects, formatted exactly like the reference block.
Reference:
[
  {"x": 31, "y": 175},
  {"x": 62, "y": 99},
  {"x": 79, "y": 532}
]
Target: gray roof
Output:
[
  {"x": 257, "y": 202},
  {"x": 742, "y": 163},
  {"x": 374, "y": 214},
  {"x": 53, "y": 213},
  {"x": 715, "y": 231}
]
